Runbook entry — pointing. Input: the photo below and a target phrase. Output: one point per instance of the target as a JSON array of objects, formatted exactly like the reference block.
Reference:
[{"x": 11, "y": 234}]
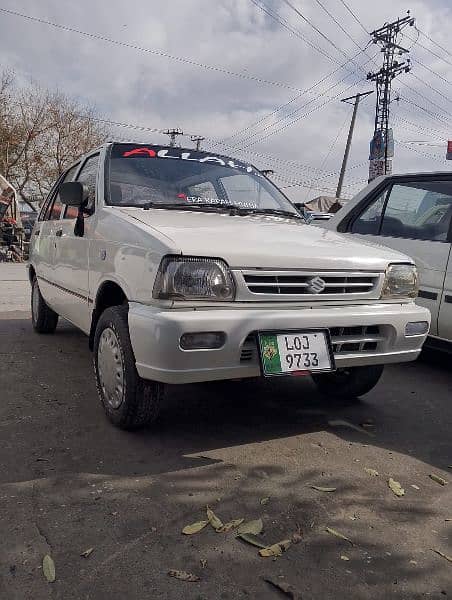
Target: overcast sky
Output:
[{"x": 137, "y": 87}]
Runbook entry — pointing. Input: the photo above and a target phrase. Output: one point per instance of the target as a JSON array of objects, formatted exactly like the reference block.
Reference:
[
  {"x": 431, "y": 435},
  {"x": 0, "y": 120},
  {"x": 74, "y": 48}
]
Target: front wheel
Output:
[
  {"x": 348, "y": 383},
  {"x": 129, "y": 401},
  {"x": 43, "y": 318}
]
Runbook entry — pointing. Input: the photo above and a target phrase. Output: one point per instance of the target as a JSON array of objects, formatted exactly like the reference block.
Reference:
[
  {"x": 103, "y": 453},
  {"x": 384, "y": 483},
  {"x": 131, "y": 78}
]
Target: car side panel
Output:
[{"x": 445, "y": 311}]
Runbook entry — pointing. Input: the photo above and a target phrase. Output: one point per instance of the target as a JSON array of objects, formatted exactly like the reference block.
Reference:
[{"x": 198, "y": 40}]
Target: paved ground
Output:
[{"x": 70, "y": 481}]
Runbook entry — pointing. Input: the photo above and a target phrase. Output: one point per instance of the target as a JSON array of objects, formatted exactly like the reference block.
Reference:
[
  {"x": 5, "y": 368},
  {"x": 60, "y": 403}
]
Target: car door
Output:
[
  {"x": 43, "y": 243},
  {"x": 413, "y": 215},
  {"x": 71, "y": 269},
  {"x": 445, "y": 310}
]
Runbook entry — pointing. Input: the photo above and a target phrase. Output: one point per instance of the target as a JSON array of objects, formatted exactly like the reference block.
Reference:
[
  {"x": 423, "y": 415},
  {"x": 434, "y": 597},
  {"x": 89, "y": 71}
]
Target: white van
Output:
[{"x": 411, "y": 213}]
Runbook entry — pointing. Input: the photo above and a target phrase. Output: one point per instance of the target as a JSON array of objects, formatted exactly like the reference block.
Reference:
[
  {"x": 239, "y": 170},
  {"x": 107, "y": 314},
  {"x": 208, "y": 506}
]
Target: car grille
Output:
[
  {"x": 326, "y": 285},
  {"x": 344, "y": 340}
]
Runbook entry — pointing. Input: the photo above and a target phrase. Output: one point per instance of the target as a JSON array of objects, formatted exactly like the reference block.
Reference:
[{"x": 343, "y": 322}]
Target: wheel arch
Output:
[{"x": 110, "y": 293}]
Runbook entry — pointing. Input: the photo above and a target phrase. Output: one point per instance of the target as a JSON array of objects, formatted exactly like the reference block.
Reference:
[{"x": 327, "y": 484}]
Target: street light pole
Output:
[{"x": 356, "y": 99}]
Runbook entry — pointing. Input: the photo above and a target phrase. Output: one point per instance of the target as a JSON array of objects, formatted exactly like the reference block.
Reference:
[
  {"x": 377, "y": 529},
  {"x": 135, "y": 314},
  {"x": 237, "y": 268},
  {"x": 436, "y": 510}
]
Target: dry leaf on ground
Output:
[
  {"x": 194, "y": 527},
  {"x": 343, "y": 557},
  {"x": 396, "y": 487},
  {"x": 264, "y": 501},
  {"x": 229, "y": 526},
  {"x": 275, "y": 549},
  {"x": 338, "y": 535},
  {"x": 251, "y": 539},
  {"x": 283, "y": 587},
  {"x": 371, "y": 472},
  {"x": 255, "y": 527},
  {"x": 438, "y": 479},
  {"x": 213, "y": 519},
  {"x": 415, "y": 487},
  {"x": 449, "y": 558},
  {"x": 320, "y": 488},
  {"x": 340, "y": 423},
  {"x": 87, "y": 552},
  {"x": 203, "y": 562},
  {"x": 183, "y": 575},
  {"x": 48, "y": 568}
]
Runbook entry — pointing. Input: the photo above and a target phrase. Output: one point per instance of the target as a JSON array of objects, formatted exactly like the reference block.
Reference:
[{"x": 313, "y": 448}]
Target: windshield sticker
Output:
[
  {"x": 216, "y": 201},
  {"x": 141, "y": 152},
  {"x": 177, "y": 154}
]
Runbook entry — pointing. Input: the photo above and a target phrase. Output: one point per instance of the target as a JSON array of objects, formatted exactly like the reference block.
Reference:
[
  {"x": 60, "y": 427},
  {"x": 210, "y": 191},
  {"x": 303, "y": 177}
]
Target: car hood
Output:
[{"x": 262, "y": 241}]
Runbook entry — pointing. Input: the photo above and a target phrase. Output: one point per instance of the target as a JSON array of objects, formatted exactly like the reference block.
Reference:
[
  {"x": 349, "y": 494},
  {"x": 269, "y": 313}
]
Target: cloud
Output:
[{"x": 137, "y": 87}]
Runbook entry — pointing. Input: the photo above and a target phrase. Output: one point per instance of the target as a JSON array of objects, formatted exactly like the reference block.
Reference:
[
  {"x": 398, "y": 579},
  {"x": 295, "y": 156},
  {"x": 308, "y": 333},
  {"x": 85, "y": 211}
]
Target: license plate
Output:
[{"x": 294, "y": 351}]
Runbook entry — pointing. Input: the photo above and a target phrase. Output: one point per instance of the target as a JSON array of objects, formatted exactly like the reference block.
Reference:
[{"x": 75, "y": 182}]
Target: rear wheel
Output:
[
  {"x": 129, "y": 401},
  {"x": 43, "y": 318},
  {"x": 349, "y": 383}
]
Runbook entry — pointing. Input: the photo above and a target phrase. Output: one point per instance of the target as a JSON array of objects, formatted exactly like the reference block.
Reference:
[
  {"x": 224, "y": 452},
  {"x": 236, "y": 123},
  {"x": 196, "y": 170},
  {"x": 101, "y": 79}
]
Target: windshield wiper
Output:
[
  {"x": 272, "y": 211},
  {"x": 229, "y": 208}
]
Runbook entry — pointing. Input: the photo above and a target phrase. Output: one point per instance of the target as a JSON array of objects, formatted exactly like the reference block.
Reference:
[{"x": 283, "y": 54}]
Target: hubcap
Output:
[
  {"x": 110, "y": 368},
  {"x": 35, "y": 301}
]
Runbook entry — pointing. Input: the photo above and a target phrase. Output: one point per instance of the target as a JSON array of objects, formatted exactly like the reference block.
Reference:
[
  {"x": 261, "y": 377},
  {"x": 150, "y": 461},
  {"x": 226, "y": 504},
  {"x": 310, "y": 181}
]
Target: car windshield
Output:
[{"x": 163, "y": 177}]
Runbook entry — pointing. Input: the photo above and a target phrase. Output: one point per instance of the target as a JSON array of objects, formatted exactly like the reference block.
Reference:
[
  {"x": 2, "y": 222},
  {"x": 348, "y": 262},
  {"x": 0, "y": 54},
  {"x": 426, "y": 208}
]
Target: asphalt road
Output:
[{"x": 69, "y": 481}]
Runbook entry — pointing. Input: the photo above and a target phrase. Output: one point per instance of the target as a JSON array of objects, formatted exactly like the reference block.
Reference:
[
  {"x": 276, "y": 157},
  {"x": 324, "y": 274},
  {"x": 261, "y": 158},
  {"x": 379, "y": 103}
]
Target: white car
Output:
[
  {"x": 411, "y": 213},
  {"x": 183, "y": 266}
]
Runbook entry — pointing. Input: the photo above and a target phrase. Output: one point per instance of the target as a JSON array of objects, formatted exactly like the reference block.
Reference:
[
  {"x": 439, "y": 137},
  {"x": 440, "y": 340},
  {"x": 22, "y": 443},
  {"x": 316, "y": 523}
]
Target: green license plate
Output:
[{"x": 295, "y": 351}]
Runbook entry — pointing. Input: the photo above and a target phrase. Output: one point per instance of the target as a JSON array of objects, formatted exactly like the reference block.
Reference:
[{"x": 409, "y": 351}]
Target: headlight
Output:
[
  {"x": 192, "y": 278},
  {"x": 400, "y": 282}
]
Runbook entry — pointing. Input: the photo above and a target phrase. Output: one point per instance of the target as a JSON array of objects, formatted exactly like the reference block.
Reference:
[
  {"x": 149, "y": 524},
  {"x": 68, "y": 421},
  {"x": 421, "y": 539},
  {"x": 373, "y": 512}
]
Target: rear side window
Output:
[{"x": 53, "y": 207}]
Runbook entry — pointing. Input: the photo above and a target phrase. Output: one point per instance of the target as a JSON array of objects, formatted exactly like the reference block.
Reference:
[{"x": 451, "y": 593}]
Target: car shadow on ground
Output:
[{"x": 84, "y": 483}]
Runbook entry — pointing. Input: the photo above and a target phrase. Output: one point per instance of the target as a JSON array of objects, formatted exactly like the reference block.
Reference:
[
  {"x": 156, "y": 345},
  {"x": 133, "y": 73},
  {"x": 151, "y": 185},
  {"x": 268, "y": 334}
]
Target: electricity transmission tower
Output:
[
  {"x": 387, "y": 37},
  {"x": 173, "y": 133},
  {"x": 197, "y": 139}
]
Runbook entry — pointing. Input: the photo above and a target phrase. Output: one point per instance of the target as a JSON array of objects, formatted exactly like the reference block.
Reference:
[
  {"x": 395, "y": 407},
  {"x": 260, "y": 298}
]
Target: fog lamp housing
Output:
[
  {"x": 416, "y": 328},
  {"x": 204, "y": 340}
]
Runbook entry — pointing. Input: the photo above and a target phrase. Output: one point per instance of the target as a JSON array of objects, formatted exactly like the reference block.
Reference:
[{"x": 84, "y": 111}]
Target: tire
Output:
[
  {"x": 43, "y": 318},
  {"x": 346, "y": 384},
  {"x": 129, "y": 401}
]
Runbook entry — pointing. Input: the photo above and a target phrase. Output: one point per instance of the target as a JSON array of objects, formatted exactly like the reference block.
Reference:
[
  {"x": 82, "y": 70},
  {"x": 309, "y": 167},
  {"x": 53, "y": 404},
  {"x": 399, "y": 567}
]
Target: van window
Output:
[
  {"x": 369, "y": 221},
  {"x": 56, "y": 207},
  {"x": 418, "y": 210}
]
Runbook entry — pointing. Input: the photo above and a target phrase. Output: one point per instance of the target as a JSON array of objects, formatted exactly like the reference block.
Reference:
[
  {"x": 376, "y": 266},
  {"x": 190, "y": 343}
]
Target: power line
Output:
[
  {"x": 354, "y": 16},
  {"x": 298, "y": 110},
  {"x": 155, "y": 52},
  {"x": 432, "y": 71},
  {"x": 447, "y": 98},
  {"x": 325, "y": 37},
  {"x": 337, "y": 23},
  {"x": 282, "y": 106},
  {"x": 433, "y": 42},
  {"x": 284, "y": 23}
]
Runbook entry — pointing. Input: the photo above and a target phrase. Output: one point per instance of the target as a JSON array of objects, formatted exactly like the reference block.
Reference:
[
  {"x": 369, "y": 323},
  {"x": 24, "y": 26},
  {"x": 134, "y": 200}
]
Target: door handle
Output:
[{"x": 59, "y": 233}]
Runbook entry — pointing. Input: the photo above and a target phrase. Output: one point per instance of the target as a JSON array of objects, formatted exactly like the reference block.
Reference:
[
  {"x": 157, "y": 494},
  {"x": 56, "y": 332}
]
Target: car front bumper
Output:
[{"x": 155, "y": 335}]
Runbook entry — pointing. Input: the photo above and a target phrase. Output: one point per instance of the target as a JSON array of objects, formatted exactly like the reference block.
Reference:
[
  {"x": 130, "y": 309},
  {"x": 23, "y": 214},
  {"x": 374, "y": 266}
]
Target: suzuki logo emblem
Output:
[{"x": 316, "y": 285}]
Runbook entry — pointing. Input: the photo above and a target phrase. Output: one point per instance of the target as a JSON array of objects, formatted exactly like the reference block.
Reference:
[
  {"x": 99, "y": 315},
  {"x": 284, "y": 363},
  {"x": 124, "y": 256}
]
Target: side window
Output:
[
  {"x": 369, "y": 220},
  {"x": 419, "y": 210},
  {"x": 88, "y": 176}
]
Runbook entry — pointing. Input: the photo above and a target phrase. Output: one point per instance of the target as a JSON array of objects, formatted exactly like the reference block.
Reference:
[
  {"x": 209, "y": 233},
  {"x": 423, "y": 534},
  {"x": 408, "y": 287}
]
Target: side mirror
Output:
[{"x": 73, "y": 193}]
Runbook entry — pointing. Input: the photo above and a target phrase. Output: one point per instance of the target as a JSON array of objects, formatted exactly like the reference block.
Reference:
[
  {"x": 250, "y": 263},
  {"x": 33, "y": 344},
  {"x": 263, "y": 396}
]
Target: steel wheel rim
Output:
[{"x": 110, "y": 367}]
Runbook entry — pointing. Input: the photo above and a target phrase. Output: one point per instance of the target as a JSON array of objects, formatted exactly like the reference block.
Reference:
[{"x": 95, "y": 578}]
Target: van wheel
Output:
[
  {"x": 349, "y": 383},
  {"x": 43, "y": 318},
  {"x": 129, "y": 401}
]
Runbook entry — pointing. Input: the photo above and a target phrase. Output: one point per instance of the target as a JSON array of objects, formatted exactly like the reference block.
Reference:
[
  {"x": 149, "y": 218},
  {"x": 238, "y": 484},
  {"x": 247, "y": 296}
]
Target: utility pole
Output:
[
  {"x": 356, "y": 98},
  {"x": 197, "y": 139},
  {"x": 173, "y": 133},
  {"x": 388, "y": 37}
]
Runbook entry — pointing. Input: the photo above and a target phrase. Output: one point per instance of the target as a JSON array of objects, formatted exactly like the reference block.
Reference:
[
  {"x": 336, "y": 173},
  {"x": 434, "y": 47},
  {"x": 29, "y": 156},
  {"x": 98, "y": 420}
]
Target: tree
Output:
[{"x": 41, "y": 133}]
